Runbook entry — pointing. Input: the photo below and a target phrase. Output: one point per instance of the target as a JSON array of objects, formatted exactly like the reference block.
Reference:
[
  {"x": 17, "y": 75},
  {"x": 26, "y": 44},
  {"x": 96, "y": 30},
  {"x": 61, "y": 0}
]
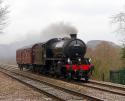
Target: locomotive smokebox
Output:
[{"x": 73, "y": 36}]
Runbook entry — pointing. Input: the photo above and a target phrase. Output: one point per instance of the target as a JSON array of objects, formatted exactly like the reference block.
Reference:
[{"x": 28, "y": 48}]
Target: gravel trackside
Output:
[{"x": 12, "y": 90}]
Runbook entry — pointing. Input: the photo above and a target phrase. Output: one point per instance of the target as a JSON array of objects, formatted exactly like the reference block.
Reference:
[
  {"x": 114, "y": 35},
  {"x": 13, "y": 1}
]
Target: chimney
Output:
[{"x": 73, "y": 36}]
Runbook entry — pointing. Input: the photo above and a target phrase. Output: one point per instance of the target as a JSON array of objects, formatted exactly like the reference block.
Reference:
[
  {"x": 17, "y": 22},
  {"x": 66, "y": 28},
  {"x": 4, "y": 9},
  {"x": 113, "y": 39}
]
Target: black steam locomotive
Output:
[{"x": 58, "y": 56}]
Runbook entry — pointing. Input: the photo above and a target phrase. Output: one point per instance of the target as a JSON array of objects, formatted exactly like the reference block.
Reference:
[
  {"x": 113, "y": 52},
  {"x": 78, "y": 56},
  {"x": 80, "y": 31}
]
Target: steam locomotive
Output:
[{"x": 58, "y": 56}]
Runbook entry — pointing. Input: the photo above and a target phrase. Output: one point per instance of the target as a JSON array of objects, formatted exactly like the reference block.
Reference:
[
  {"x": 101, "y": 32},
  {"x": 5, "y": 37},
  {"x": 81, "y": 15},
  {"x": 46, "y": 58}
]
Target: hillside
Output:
[{"x": 94, "y": 43}]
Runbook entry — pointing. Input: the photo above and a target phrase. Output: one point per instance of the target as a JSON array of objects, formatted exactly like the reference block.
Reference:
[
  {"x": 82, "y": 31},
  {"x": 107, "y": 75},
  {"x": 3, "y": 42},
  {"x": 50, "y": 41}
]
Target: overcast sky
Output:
[{"x": 90, "y": 17}]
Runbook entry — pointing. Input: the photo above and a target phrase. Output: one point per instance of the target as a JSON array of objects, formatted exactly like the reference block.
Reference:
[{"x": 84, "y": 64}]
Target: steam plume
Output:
[{"x": 58, "y": 30}]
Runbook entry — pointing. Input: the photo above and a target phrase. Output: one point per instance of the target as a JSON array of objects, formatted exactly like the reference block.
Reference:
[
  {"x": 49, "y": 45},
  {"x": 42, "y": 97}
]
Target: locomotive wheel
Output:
[
  {"x": 86, "y": 78},
  {"x": 69, "y": 76},
  {"x": 21, "y": 68},
  {"x": 78, "y": 77},
  {"x": 63, "y": 72}
]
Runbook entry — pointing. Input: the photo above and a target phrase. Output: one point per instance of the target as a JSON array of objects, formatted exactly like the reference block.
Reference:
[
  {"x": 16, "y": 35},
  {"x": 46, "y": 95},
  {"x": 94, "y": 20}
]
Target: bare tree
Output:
[
  {"x": 3, "y": 17},
  {"x": 119, "y": 19}
]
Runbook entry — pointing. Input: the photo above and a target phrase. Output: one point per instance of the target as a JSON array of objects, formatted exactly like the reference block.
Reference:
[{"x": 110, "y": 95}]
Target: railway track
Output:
[
  {"x": 58, "y": 92},
  {"x": 94, "y": 90},
  {"x": 107, "y": 86}
]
